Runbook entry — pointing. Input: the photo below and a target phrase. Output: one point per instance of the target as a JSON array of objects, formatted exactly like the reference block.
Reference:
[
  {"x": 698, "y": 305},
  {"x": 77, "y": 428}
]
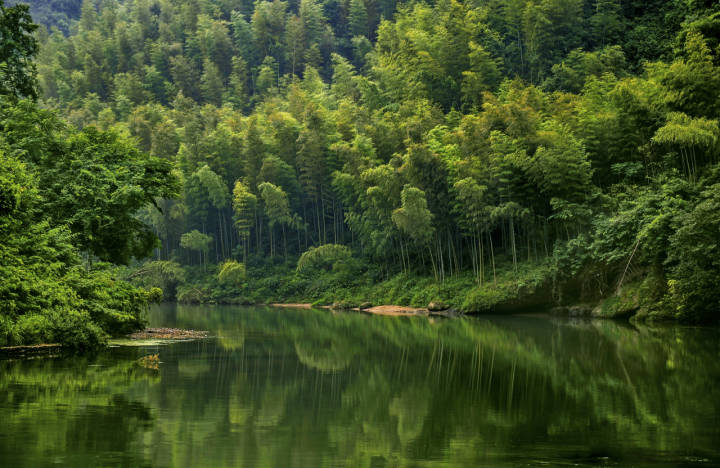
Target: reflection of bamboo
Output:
[
  {"x": 492, "y": 366},
  {"x": 440, "y": 359},
  {"x": 627, "y": 375},
  {"x": 481, "y": 361},
  {"x": 512, "y": 385},
  {"x": 432, "y": 359},
  {"x": 453, "y": 365},
  {"x": 403, "y": 362}
]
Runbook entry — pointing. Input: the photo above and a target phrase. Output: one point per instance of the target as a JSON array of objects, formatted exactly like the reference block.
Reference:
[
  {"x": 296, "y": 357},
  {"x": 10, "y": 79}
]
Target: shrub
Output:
[
  {"x": 75, "y": 330},
  {"x": 323, "y": 257},
  {"x": 231, "y": 273}
]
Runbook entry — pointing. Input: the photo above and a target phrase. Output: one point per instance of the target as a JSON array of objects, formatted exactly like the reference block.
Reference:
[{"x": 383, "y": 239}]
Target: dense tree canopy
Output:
[
  {"x": 450, "y": 138},
  {"x": 67, "y": 197},
  {"x": 17, "y": 51}
]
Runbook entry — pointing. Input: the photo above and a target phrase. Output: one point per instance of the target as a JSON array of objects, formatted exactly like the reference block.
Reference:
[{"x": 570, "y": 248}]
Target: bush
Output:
[
  {"x": 34, "y": 329},
  {"x": 75, "y": 330},
  {"x": 189, "y": 294},
  {"x": 8, "y": 332},
  {"x": 231, "y": 273},
  {"x": 322, "y": 258}
]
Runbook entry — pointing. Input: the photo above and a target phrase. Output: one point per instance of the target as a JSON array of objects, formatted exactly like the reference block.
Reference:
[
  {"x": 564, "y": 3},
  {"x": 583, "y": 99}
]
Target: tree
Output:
[
  {"x": 163, "y": 274},
  {"x": 413, "y": 217},
  {"x": 46, "y": 292},
  {"x": 212, "y": 38},
  {"x": 692, "y": 81},
  {"x": 268, "y": 24},
  {"x": 93, "y": 181},
  {"x": 277, "y": 210},
  {"x": 215, "y": 192},
  {"x": 18, "y": 48},
  {"x": 211, "y": 83},
  {"x": 313, "y": 22},
  {"x": 358, "y": 19},
  {"x": 406, "y": 132},
  {"x": 197, "y": 241},
  {"x": 607, "y": 22},
  {"x": 185, "y": 76},
  {"x": 243, "y": 37},
  {"x": 237, "y": 90},
  {"x": 483, "y": 75},
  {"x": 295, "y": 43},
  {"x": 695, "y": 138},
  {"x": 694, "y": 266},
  {"x": 474, "y": 218},
  {"x": 244, "y": 204},
  {"x": 254, "y": 152},
  {"x": 268, "y": 75}
]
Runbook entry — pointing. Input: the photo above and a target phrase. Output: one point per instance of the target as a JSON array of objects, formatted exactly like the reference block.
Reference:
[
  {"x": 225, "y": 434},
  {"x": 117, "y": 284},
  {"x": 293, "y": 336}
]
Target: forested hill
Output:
[
  {"x": 471, "y": 152},
  {"x": 58, "y": 14}
]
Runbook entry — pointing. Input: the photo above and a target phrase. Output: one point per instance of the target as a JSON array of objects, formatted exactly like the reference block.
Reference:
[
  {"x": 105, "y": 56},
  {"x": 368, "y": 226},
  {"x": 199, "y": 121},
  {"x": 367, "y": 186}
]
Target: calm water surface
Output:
[{"x": 305, "y": 388}]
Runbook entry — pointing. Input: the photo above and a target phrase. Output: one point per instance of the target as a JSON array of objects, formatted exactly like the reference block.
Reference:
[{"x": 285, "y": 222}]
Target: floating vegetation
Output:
[
  {"x": 139, "y": 343},
  {"x": 168, "y": 334},
  {"x": 151, "y": 361},
  {"x": 158, "y": 337}
]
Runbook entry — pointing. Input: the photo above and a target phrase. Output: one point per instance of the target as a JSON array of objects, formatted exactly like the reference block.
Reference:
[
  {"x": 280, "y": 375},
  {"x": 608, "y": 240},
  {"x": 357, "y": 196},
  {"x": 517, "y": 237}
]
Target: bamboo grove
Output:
[{"x": 443, "y": 139}]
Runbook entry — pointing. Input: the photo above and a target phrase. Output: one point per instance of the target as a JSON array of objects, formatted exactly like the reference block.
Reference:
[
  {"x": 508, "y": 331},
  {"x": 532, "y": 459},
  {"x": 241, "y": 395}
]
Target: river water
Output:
[{"x": 309, "y": 388}]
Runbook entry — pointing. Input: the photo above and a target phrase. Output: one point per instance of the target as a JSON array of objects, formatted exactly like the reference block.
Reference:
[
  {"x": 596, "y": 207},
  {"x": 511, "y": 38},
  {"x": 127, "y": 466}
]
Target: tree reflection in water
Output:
[{"x": 280, "y": 387}]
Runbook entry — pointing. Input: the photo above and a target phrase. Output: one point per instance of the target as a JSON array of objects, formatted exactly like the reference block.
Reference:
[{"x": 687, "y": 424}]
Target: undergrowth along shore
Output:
[{"x": 533, "y": 287}]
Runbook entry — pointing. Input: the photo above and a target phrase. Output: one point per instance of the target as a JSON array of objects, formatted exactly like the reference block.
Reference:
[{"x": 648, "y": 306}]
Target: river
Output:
[{"x": 312, "y": 388}]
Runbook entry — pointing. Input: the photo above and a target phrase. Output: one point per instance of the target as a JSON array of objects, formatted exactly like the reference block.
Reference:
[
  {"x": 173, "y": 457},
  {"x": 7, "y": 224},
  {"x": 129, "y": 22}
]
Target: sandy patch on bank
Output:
[
  {"x": 389, "y": 310},
  {"x": 393, "y": 310}
]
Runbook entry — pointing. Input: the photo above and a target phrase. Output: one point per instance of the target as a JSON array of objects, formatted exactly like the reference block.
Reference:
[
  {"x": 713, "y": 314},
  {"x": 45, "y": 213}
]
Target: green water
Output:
[{"x": 302, "y": 388}]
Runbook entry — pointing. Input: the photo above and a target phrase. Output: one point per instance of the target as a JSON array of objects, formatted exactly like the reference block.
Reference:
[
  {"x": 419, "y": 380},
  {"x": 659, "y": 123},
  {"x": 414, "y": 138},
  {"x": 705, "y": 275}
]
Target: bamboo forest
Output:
[{"x": 359, "y": 233}]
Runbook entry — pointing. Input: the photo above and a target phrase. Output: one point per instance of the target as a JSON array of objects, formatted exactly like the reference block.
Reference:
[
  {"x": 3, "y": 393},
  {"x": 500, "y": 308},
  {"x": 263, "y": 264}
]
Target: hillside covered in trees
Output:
[{"x": 482, "y": 153}]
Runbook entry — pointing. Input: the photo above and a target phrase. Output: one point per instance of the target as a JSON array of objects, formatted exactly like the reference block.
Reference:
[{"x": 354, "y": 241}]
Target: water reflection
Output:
[{"x": 311, "y": 388}]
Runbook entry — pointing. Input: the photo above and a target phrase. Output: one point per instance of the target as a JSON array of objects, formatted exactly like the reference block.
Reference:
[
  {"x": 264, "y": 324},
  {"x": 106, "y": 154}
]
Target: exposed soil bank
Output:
[
  {"x": 294, "y": 306},
  {"x": 390, "y": 310},
  {"x": 394, "y": 310}
]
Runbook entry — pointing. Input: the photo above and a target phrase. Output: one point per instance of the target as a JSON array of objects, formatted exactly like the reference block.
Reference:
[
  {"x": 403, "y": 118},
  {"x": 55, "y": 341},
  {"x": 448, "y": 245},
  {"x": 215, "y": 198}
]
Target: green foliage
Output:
[
  {"x": 413, "y": 216},
  {"x": 46, "y": 294},
  {"x": 159, "y": 274},
  {"x": 63, "y": 194},
  {"x": 195, "y": 240},
  {"x": 694, "y": 277},
  {"x": 444, "y": 141},
  {"x": 276, "y": 204},
  {"x": 231, "y": 273},
  {"x": 244, "y": 204},
  {"x": 18, "y": 48},
  {"x": 322, "y": 257},
  {"x": 90, "y": 180}
]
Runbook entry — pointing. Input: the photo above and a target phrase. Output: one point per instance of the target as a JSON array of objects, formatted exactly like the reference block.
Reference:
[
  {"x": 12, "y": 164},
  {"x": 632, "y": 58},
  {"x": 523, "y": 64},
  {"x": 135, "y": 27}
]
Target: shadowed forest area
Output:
[{"x": 490, "y": 155}]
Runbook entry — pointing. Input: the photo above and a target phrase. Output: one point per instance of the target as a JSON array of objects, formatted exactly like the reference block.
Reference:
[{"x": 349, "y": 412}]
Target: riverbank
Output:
[
  {"x": 390, "y": 310},
  {"x": 507, "y": 291},
  {"x": 138, "y": 338},
  {"x": 527, "y": 287},
  {"x": 30, "y": 351}
]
